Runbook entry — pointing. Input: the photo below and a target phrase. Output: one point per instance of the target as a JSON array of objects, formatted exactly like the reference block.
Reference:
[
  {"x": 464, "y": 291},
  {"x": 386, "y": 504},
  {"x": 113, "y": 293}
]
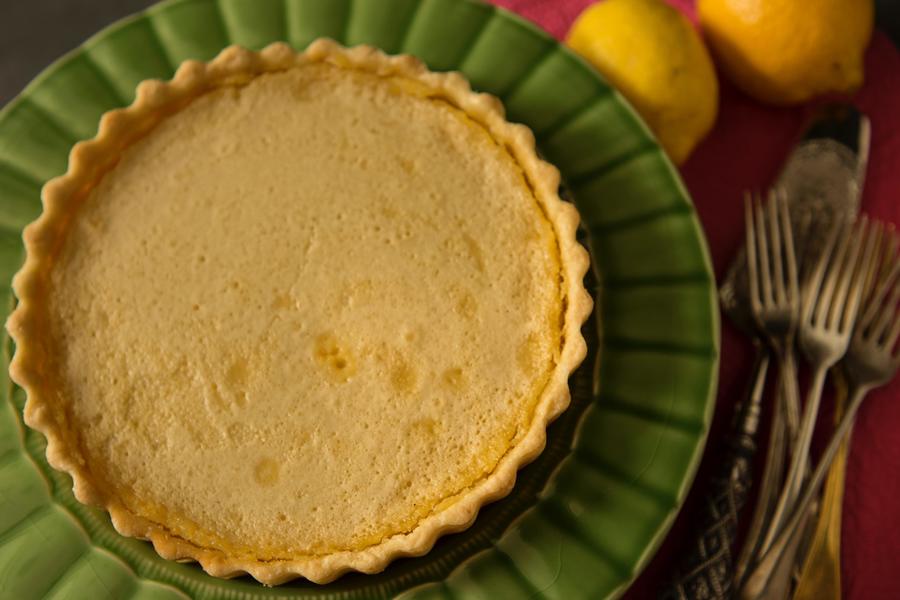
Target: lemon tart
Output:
[{"x": 295, "y": 314}]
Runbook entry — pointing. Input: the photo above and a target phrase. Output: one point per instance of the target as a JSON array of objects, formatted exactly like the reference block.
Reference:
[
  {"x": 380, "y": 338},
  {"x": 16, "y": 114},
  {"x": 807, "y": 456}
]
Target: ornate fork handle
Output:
[
  {"x": 707, "y": 572},
  {"x": 770, "y": 480},
  {"x": 766, "y": 581}
]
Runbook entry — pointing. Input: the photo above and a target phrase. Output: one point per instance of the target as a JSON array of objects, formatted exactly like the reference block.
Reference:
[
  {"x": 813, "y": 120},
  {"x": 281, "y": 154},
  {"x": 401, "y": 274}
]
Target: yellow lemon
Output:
[
  {"x": 787, "y": 51},
  {"x": 652, "y": 54}
]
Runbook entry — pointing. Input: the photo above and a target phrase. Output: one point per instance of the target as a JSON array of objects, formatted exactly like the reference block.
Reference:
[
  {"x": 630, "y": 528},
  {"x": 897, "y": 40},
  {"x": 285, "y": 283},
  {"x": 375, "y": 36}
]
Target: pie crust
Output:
[{"x": 35, "y": 365}]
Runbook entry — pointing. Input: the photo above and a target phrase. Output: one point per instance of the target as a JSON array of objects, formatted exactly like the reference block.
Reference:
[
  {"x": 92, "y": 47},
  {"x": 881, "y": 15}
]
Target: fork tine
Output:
[
  {"x": 752, "y": 269},
  {"x": 860, "y": 274},
  {"x": 762, "y": 248},
  {"x": 878, "y": 319},
  {"x": 848, "y": 284},
  {"x": 892, "y": 316},
  {"x": 878, "y": 269},
  {"x": 832, "y": 274},
  {"x": 887, "y": 253},
  {"x": 775, "y": 242},
  {"x": 874, "y": 304},
  {"x": 882, "y": 273},
  {"x": 892, "y": 242},
  {"x": 888, "y": 309},
  {"x": 788, "y": 236},
  {"x": 895, "y": 331},
  {"x": 814, "y": 281}
]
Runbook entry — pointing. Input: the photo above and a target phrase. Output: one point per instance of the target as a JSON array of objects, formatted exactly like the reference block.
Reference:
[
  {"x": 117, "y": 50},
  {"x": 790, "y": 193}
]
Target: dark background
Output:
[{"x": 34, "y": 33}]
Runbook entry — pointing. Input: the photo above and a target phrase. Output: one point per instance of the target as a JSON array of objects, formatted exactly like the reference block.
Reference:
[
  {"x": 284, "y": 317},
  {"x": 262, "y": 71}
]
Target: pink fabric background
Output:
[{"x": 745, "y": 151}]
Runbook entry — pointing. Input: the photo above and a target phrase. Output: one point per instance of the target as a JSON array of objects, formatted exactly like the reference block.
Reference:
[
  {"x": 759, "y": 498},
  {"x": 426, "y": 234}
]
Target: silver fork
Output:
[
  {"x": 774, "y": 302},
  {"x": 774, "y": 297},
  {"x": 872, "y": 360},
  {"x": 830, "y": 305}
]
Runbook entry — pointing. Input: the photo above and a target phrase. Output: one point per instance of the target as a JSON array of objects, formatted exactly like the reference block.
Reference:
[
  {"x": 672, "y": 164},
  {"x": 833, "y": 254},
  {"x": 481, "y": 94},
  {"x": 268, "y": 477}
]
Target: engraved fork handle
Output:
[
  {"x": 707, "y": 571},
  {"x": 771, "y": 578},
  {"x": 769, "y": 487}
]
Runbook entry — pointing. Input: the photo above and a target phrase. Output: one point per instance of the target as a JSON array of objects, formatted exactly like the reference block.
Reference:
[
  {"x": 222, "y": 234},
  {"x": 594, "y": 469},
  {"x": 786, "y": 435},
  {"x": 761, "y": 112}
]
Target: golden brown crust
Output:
[{"x": 154, "y": 100}]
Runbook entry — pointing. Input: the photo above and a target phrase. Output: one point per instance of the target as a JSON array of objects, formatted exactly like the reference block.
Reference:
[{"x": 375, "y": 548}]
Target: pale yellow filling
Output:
[{"x": 304, "y": 314}]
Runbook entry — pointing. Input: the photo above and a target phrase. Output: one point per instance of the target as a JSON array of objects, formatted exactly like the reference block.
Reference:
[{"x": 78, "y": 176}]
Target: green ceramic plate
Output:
[{"x": 588, "y": 514}]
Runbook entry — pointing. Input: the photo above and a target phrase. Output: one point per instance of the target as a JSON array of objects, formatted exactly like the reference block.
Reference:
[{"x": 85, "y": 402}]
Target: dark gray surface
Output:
[
  {"x": 34, "y": 33},
  {"x": 887, "y": 16}
]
